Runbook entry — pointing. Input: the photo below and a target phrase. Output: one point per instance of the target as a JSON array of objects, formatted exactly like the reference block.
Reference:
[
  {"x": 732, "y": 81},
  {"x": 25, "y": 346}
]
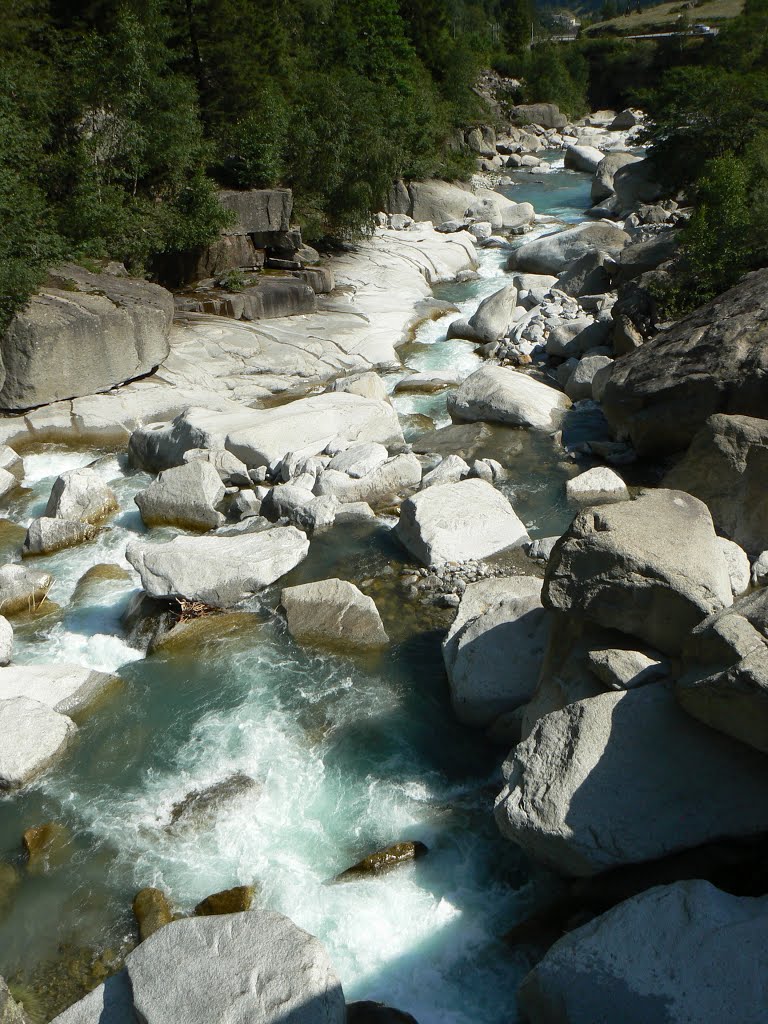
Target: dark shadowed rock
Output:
[
  {"x": 384, "y": 860},
  {"x": 367, "y": 1012},
  {"x": 152, "y": 911}
]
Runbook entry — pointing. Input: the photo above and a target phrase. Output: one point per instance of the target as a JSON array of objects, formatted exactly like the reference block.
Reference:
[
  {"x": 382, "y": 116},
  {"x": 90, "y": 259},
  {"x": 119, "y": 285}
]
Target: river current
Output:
[{"x": 348, "y": 755}]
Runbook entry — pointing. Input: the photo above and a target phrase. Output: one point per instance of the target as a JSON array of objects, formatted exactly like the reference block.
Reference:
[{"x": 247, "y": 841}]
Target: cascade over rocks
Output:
[
  {"x": 651, "y": 567},
  {"x": 715, "y": 360},
  {"x": 659, "y": 957},
  {"x": 624, "y": 777},
  {"x": 82, "y": 334}
]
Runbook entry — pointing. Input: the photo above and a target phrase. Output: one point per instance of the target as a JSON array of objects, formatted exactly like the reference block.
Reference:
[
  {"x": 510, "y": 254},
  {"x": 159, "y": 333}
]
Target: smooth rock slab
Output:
[
  {"x": 64, "y": 688},
  {"x": 333, "y": 612},
  {"x": 256, "y": 967},
  {"x": 458, "y": 522},
  {"x": 685, "y": 953},
  {"x": 219, "y": 571},
  {"x": 494, "y": 648},
  {"x": 80, "y": 494},
  {"x": 184, "y": 496},
  {"x": 34, "y": 735},
  {"x": 651, "y": 567},
  {"x": 497, "y": 394},
  {"x": 626, "y": 777}
]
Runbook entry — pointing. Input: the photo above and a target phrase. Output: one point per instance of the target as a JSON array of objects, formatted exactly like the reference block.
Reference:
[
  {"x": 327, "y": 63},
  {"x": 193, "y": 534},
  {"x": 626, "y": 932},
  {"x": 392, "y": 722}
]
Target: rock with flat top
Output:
[
  {"x": 34, "y": 736},
  {"x": 217, "y": 570},
  {"x": 333, "y": 612},
  {"x": 596, "y": 486},
  {"x": 184, "y": 496},
  {"x": 359, "y": 459},
  {"x": 657, "y": 957},
  {"x": 458, "y": 522},
  {"x": 81, "y": 494},
  {"x": 67, "y": 689},
  {"x": 494, "y": 648},
  {"x": 497, "y": 394},
  {"x": 583, "y": 158},
  {"x": 621, "y": 669},
  {"x": 651, "y": 567}
]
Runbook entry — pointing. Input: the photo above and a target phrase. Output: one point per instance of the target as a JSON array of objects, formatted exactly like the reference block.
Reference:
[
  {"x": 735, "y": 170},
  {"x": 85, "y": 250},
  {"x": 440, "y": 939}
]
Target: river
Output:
[{"x": 348, "y": 755}]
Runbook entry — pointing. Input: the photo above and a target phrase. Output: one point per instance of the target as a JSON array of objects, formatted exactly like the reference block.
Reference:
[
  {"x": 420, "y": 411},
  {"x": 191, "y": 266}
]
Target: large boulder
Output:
[
  {"x": 498, "y": 394},
  {"x": 218, "y": 571},
  {"x": 183, "y": 496},
  {"x": 437, "y": 201},
  {"x": 80, "y": 495},
  {"x": 713, "y": 360},
  {"x": 493, "y": 317},
  {"x": 624, "y": 777},
  {"x": 22, "y": 589},
  {"x": 333, "y": 612},
  {"x": 583, "y": 158},
  {"x": 263, "y": 437},
  {"x": 44, "y": 535},
  {"x": 458, "y": 522},
  {"x": 554, "y": 253},
  {"x": 547, "y": 115},
  {"x": 726, "y": 466},
  {"x": 636, "y": 183},
  {"x": 494, "y": 648},
  {"x": 657, "y": 957},
  {"x": 602, "y": 183},
  {"x": 67, "y": 689},
  {"x": 258, "y": 211},
  {"x": 640, "y": 257},
  {"x": 81, "y": 334},
  {"x": 34, "y": 735},
  {"x": 257, "y": 967},
  {"x": 651, "y": 567}
]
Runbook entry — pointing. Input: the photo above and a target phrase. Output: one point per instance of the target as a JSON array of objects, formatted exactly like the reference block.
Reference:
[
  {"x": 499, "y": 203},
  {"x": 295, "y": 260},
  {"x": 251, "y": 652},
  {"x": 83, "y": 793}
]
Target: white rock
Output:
[
  {"x": 67, "y": 689},
  {"x": 11, "y": 462},
  {"x": 596, "y": 486},
  {"x": 498, "y": 394},
  {"x": 80, "y": 494},
  {"x": 623, "y": 670},
  {"x": 657, "y": 957},
  {"x": 34, "y": 735},
  {"x": 494, "y": 648},
  {"x": 333, "y": 612},
  {"x": 8, "y": 482},
  {"x": 449, "y": 471},
  {"x": 760, "y": 569},
  {"x": 219, "y": 571},
  {"x": 6, "y": 641},
  {"x": 359, "y": 459},
  {"x": 232, "y": 471},
  {"x": 738, "y": 565},
  {"x": 184, "y": 496},
  {"x": 458, "y": 522}
]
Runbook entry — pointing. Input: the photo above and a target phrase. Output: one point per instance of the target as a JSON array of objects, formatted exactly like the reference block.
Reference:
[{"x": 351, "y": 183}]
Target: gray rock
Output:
[
  {"x": 547, "y": 115},
  {"x": 22, "y": 589},
  {"x": 382, "y": 484},
  {"x": 596, "y": 486},
  {"x": 12, "y": 1012},
  {"x": 588, "y": 275},
  {"x": 6, "y": 641},
  {"x": 738, "y": 565},
  {"x": 11, "y": 462},
  {"x": 109, "y": 1003},
  {"x": 458, "y": 522},
  {"x": 34, "y": 735},
  {"x": 492, "y": 320},
  {"x": 67, "y": 689},
  {"x": 81, "y": 334},
  {"x": 276, "y": 297},
  {"x": 359, "y": 459},
  {"x": 636, "y": 183},
  {"x": 80, "y": 494},
  {"x": 449, "y": 471},
  {"x": 726, "y": 467},
  {"x": 602, "y": 183},
  {"x": 8, "y": 482},
  {"x": 498, "y": 394},
  {"x": 245, "y": 505},
  {"x": 620, "y": 669},
  {"x": 44, "y": 536},
  {"x": 494, "y": 648},
  {"x": 657, "y": 957},
  {"x": 625, "y": 119},
  {"x": 625, "y": 777},
  {"x": 232, "y": 472},
  {"x": 333, "y": 612},
  {"x": 583, "y": 158},
  {"x": 219, "y": 571},
  {"x": 258, "y": 210},
  {"x": 300, "y": 506},
  {"x": 579, "y": 384},
  {"x": 366, "y": 385},
  {"x": 553, "y": 253},
  {"x": 541, "y": 549},
  {"x": 651, "y": 567},
  {"x": 354, "y": 512},
  {"x": 759, "y": 574},
  {"x": 640, "y": 257},
  {"x": 572, "y": 337},
  {"x": 437, "y": 201},
  {"x": 184, "y": 496}
]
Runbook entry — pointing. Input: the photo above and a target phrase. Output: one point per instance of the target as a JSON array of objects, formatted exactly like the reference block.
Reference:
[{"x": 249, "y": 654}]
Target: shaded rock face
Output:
[
  {"x": 438, "y": 201},
  {"x": 636, "y": 183},
  {"x": 602, "y": 183},
  {"x": 333, "y": 612},
  {"x": 494, "y": 648},
  {"x": 651, "y": 567},
  {"x": 624, "y": 777},
  {"x": 657, "y": 957},
  {"x": 367, "y": 1012},
  {"x": 715, "y": 360},
  {"x": 545, "y": 114},
  {"x": 258, "y": 210},
  {"x": 83, "y": 333},
  {"x": 726, "y": 467}
]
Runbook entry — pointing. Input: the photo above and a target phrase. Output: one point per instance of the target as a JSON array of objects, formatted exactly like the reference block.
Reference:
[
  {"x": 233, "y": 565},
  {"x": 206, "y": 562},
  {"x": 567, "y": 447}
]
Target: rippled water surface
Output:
[{"x": 346, "y": 755}]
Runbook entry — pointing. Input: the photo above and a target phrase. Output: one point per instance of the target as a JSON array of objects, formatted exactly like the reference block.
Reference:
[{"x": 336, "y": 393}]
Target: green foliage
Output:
[{"x": 556, "y": 74}]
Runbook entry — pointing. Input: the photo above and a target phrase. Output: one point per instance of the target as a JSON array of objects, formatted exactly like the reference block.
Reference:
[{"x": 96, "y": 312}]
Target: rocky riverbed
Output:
[{"x": 247, "y": 576}]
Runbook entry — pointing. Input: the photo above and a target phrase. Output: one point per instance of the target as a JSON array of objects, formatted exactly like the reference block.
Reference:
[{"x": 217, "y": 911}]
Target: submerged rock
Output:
[
  {"x": 82, "y": 495},
  {"x": 458, "y": 522},
  {"x": 228, "y": 901},
  {"x": 218, "y": 571},
  {"x": 384, "y": 860},
  {"x": 46, "y": 846},
  {"x": 657, "y": 957},
  {"x": 333, "y": 612},
  {"x": 152, "y": 911},
  {"x": 11, "y": 1012}
]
